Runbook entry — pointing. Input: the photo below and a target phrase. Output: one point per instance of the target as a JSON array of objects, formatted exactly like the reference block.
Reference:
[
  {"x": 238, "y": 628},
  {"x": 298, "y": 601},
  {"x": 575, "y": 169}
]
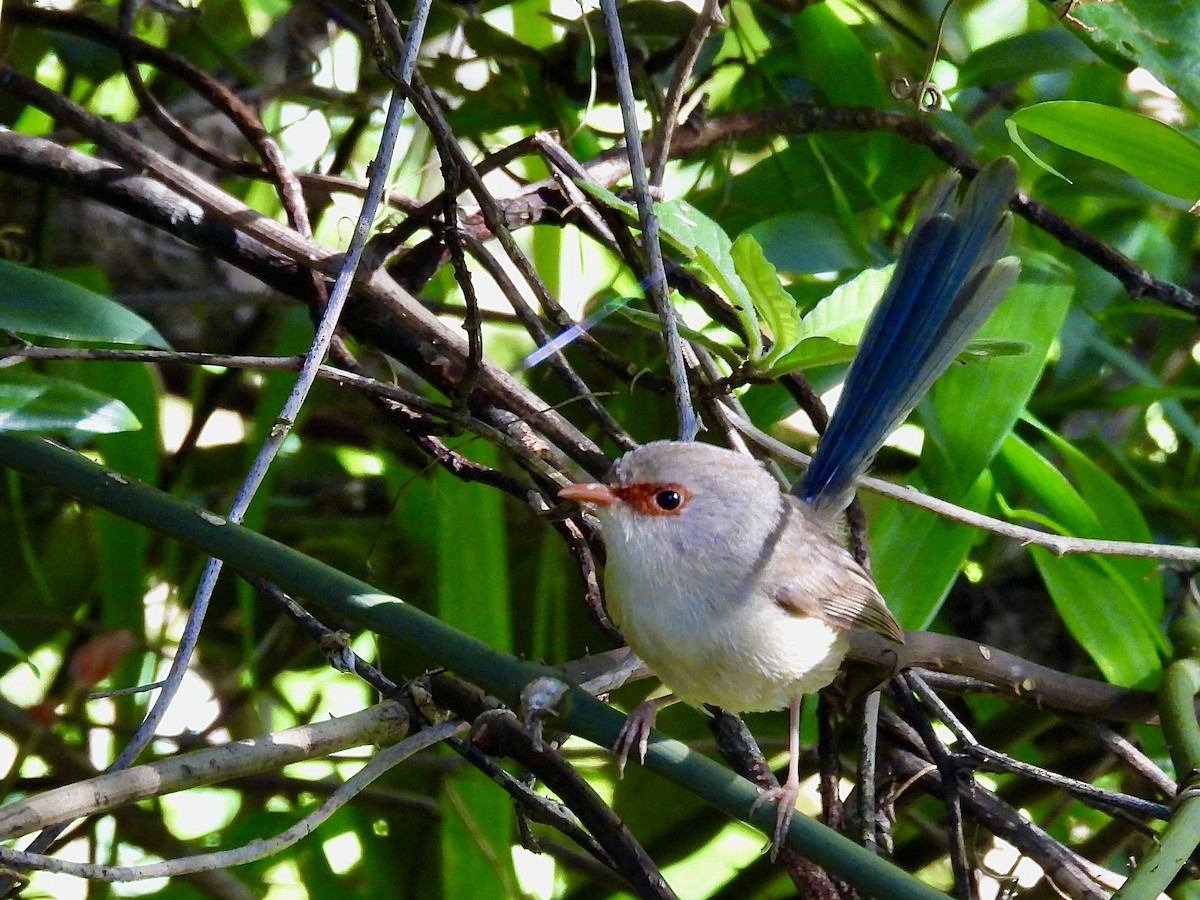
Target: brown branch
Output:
[
  {"x": 380, "y": 313},
  {"x": 504, "y": 735},
  {"x": 610, "y": 167},
  {"x": 1012, "y": 675}
]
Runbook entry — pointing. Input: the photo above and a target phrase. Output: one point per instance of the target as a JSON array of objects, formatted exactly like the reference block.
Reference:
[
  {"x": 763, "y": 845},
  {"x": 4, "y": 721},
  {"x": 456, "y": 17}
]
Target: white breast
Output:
[{"x": 715, "y": 643}]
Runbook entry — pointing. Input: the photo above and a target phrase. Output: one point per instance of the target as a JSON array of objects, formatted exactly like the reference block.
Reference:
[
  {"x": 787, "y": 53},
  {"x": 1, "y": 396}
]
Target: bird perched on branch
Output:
[{"x": 742, "y": 596}]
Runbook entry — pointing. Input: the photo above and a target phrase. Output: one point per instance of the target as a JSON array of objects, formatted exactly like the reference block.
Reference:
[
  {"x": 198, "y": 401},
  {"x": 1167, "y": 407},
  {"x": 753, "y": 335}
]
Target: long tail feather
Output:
[{"x": 947, "y": 281}]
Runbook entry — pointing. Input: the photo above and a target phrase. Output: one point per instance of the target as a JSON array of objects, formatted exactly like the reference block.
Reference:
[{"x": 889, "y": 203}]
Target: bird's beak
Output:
[{"x": 594, "y": 494}]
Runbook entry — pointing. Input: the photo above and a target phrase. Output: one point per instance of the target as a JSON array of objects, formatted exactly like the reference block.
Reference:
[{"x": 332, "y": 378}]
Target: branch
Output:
[
  {"x": 255, "y": 850},
  {"x": 382, "y": 313},
  {"x": 384, "y": 723},
  {"x": 1058, "y": 544},
  {"x": 612, "y": 166}
]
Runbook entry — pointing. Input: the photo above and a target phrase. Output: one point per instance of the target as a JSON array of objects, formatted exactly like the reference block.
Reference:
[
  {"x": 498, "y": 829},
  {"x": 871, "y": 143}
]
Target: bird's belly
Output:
[{"x": 747, "y": 657}]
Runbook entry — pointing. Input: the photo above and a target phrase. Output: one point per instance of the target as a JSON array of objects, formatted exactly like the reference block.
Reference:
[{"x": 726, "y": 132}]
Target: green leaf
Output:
[
  {"x": 832, "y": 328},
  {"x": 970, "y": 411},
  {"x": 993, "y": 348},
  {"x": 1066, "y": 509},
  {"x": 773, "y": 303},
  {"x": 649, "y": 321},
  {"x": 1149, "y": 150},
  {"x": 704, "y": 243},
  {"x": 1125, "y": 639},
  {"x": 1174, "y": 411},
  {"x": 1014, "y": 134},
  {"x": 31, "y": 402},
  {"x": 831, "y": 54},
  {"x": 708, "y": 246},
  {"x": 489, "y": 41},
  {"x": 472, "y": 595},
  {"x": 1117, "y": 517},
  {"x": 916, "y": 555},
  {"x": 809, "y": 242},
  {"x": 9, "y": 647},
  {"x": 33, "y": 302},
  {"x": 811, "y": 353},
  {"x": 1161, "y": 37},
  {"x": 843, "y": 315},
  {"x": 1114, "y": 635},
  {"x": 1023, "y": 56}
]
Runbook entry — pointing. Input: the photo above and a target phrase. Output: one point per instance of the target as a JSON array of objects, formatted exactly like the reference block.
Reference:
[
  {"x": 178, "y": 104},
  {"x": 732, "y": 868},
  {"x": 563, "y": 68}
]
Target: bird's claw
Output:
[
  {"x": 635, "y": 733},
  {"x": 785, "y": 795}
]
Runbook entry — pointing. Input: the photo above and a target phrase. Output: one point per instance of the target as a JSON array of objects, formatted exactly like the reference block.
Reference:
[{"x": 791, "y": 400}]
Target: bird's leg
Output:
[
  {"x": 637, "y": 728},
  {"x": 787, "y": 793}
]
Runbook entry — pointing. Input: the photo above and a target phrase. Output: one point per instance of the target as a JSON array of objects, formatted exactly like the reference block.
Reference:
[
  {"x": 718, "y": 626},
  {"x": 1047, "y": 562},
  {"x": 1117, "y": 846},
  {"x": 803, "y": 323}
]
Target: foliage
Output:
[{"x": 177, "y": 202}]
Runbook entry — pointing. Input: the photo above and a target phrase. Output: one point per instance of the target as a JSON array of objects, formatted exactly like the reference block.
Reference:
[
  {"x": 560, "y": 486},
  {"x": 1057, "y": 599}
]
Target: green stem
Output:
[{"x": 1176, "y": 702}]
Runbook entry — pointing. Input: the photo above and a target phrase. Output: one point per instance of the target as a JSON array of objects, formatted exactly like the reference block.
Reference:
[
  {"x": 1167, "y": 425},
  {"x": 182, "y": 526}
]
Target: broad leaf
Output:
[
  {"x": 33, "y": 302},
  {"x": 1100, "y": 607},
  {"x": 703, "y": 242},
  {"x": 974, "y": 407},
  {"x": 809, "y": 242},
  {"x": 774, "y": 305},
  {"x": 1161, "y": 37},
  {"x": 1147, "y": 149},
  {"x": 31, "y": 402}
]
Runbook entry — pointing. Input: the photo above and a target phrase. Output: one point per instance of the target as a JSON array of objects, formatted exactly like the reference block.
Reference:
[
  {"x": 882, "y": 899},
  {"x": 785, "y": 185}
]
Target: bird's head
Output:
[{"x": 672, "y": 496}]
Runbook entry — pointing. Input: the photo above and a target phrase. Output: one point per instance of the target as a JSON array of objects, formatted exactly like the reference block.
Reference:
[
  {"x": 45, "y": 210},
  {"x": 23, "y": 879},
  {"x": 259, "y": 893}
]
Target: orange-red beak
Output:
[{"x": 595, "y": 494}]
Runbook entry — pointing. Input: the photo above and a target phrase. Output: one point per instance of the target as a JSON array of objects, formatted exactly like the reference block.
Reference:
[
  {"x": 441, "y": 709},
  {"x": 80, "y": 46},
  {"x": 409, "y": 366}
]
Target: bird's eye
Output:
[
  {"x": 668, "y": 500},
  {"x": 654, "y": 498}
]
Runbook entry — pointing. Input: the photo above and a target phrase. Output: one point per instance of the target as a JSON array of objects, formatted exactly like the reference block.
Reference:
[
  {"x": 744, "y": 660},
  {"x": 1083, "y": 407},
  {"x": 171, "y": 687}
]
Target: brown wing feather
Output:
[{"x": 823, "y": 579}]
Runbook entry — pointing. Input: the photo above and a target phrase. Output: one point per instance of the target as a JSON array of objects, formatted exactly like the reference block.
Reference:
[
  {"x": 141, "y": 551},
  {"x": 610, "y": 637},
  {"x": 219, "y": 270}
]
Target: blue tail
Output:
[{"x": 947, "y": 281}]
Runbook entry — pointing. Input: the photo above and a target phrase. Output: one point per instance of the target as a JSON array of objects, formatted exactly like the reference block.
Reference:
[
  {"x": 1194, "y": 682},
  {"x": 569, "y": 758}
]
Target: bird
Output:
[{"x": 738, "y": 594}]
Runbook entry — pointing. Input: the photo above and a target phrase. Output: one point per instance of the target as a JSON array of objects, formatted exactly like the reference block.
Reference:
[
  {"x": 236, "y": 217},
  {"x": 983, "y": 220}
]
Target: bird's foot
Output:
[
  {"x": 635, "y": 733},
  {"x": 785, "y": 795}
]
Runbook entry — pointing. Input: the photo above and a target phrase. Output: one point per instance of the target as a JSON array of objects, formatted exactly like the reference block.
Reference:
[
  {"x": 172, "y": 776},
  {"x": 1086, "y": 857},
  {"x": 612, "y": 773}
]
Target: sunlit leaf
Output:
[
  {"x": 773, "y": 303},
  {"x": 1160, "y": 37},
  {"x": 1147, "y": 149},
  {"x": 703, "y": 242},
  {"x": 31, "y": 402},
  {"x": 9, "y": 647}
]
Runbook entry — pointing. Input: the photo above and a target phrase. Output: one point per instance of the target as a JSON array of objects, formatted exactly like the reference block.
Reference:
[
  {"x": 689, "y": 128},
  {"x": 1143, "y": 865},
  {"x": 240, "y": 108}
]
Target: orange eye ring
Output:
[{"x": 655, "y": 499}]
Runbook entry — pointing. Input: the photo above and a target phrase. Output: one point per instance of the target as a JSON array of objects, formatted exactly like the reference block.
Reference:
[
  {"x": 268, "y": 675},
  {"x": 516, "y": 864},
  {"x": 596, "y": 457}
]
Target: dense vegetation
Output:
[{"x": 181, "y": 185}]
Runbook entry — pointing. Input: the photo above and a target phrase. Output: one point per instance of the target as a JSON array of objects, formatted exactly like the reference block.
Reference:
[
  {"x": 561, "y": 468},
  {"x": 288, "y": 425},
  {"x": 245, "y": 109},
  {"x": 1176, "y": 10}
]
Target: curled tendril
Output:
[{"x": 928, "y": 96}]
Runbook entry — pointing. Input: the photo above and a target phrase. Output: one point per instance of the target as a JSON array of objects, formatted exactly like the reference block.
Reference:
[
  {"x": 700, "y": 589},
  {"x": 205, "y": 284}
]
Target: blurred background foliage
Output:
[{"x": 792, "y": 132}]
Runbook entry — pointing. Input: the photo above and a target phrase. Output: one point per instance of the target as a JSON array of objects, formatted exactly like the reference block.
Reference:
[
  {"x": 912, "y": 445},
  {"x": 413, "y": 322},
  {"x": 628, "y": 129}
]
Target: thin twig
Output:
[
  {"x": 1057, "y": 544},
  {"x": 656, "y": 272},
  {"x": 992, "y": 761},
  {"x": 867, "y": 762},
  {"x": 428, "y": 107},
  {"x": 802, "y": 118},
  {"x": 952, "y": 790},
  {"x": 381, "y": 762},
  {"x": 708, "y": 18}
]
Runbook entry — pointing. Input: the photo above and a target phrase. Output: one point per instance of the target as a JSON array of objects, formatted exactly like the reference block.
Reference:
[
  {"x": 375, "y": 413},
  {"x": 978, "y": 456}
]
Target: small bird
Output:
[{"x": 739, "y": 595}]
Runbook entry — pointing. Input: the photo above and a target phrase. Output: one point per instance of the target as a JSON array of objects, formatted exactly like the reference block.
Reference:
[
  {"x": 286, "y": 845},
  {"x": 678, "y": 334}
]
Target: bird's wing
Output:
[{"x": 826, "y": 582}]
